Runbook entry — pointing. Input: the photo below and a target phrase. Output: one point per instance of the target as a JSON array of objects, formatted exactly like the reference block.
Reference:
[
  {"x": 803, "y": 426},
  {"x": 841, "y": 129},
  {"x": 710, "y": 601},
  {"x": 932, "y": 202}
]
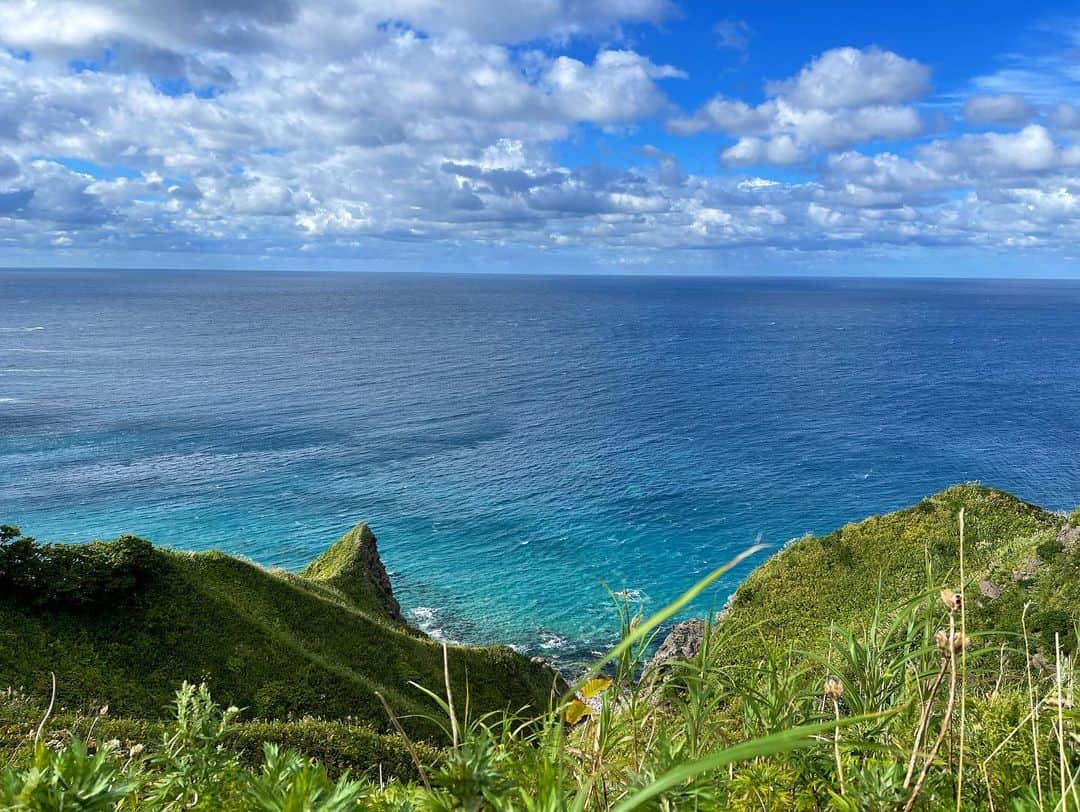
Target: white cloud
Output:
[
  {"x": 1032, "y": 149},
  {"x": 844, "y": 97},
  {"x": 1004, "y": 108},
  {"x": 850, "y": 77},
  {"x": 322, "y": 128},
  {"x": 618, "y": 87},
  {"x": 781, "y": 150}
]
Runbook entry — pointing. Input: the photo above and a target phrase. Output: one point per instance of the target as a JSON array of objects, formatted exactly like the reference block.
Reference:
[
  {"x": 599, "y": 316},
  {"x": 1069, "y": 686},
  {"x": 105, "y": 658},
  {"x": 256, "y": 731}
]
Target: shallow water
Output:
[{"x": 516, "y": 442}]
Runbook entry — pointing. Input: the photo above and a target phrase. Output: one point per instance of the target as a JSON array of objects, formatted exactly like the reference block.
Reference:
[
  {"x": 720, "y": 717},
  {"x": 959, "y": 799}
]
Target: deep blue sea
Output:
[{"x": 517, "y": 442}]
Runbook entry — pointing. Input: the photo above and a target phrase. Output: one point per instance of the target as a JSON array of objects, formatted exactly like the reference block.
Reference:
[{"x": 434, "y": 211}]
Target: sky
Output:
[{"x": 577, "y": 136}]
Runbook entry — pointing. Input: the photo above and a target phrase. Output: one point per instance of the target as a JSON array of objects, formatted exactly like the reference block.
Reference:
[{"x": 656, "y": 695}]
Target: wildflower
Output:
[
  {"x": 111, "y": 745},
  {"x": 834, "y": 688},
  {"x": 951, "y": 599},
  {"x": 135, "y": 751}
]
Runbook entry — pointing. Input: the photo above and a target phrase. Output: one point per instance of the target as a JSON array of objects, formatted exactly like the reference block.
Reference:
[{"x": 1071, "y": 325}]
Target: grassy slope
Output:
[
  {"x": 276, "y": 644},
  {"x": 792, "y": 599}
]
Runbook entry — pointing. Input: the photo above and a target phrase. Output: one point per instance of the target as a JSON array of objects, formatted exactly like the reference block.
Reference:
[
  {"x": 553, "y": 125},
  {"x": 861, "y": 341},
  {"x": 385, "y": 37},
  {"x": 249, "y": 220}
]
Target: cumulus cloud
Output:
[
  {"x": 618, "y": 87},
  {"x": 292, "y": 127},
  {"x": 845, "y": 96},
  {"x": 1030, "y": 150},
  {"x": 850, "y": 77}
]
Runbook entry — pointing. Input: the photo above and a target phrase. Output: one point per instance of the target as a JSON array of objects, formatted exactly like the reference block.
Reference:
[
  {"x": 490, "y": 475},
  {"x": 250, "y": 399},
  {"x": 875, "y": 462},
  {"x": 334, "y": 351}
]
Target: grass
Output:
[
  {"x": 280, "y": 646},
  {"x": 860, "y": 671},
  {"x": 820, "y": 582}
]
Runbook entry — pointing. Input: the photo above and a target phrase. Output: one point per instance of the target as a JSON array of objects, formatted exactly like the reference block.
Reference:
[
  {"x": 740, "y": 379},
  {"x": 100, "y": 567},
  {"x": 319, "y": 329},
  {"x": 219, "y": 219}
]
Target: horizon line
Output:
[{"x": 546, "y": 274}]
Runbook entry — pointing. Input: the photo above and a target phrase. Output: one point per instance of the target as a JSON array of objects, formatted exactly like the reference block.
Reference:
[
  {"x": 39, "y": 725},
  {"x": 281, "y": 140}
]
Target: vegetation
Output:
[
  {"x": 123, "y": 623},
  {"x": 912, "y": 661}
]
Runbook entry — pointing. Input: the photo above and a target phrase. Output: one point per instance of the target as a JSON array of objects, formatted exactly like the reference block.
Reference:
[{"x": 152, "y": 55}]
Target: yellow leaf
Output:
[
  {"x": 595, "y": 687},
  {"x": 575, "y": 711}
]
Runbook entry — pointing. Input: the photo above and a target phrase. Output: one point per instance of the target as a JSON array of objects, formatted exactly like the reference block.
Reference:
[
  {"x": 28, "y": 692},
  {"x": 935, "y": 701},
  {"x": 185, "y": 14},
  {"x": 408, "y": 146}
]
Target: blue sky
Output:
[{"x": 608, "y": 136}]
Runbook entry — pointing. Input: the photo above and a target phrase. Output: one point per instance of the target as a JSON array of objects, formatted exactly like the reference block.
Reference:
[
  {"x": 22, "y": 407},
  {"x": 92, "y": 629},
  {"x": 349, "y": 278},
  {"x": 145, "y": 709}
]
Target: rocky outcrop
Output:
[
  {"x": 682, "y": 643},
  {"x": 989, "y": 590},
  {"x": 1027, "y": 568},
  {"x": 1069, "y": 536},
  {"x": 353, "y": 567}
]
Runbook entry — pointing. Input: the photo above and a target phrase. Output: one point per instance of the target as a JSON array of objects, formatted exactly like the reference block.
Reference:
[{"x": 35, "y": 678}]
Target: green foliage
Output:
[
  {"x": 70, "y": 780},
  {"x": 888, "y": 694},
  {"x": 194, "y": 757},
  {"x": 65, "y": 575},
  {"x": 291, "y": 783},
  {"x": 818, "y": 583},
  {"x": 124, "y": 623},
  {"x": 352, "y": 567}
]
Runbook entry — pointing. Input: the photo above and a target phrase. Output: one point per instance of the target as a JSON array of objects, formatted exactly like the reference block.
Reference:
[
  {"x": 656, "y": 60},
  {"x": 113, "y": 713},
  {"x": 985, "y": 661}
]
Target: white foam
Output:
[
  {"x": 424, "y": 614},
  {"x": 551, "y": 641}
]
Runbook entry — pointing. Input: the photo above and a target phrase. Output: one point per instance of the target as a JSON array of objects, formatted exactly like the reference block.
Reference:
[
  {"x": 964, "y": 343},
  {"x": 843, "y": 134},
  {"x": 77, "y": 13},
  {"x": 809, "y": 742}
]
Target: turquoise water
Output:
[{"x": 515, "y": 442}]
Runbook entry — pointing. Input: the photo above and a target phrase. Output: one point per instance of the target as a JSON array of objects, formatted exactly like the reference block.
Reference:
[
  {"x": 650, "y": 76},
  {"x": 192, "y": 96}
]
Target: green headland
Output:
[{"x": 885, "y": 665}]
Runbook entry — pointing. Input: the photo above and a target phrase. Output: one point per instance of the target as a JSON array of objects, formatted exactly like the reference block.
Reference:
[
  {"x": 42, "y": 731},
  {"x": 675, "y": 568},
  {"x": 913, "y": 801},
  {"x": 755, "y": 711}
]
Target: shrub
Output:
[{"x": 70, "y": 575}]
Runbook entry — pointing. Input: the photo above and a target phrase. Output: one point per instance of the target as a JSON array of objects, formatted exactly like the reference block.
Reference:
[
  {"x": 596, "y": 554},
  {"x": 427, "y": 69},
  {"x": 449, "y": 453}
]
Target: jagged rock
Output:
[
  {"x": 353, "y": 567},
  {"x": 1027, "y": 568},
  {"x": 1069, "y": 536},
  {"x": 682, "y": 643},
  {"x": 989, "y": 590}
]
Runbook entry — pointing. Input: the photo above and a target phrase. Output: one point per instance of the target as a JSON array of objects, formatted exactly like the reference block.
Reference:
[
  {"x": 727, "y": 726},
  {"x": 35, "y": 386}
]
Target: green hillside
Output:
[
  {"x": 123, "y": 623},
  {"x": 815, "y": 583},
  {"x": 852, "y": 671}
]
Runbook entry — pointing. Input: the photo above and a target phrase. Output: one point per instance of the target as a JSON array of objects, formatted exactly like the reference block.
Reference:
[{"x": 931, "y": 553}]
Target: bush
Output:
[{"x": 70, "y": 575}]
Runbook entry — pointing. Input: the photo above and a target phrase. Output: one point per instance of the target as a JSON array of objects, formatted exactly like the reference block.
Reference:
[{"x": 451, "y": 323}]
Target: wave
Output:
[
  {"x": 21, "y": 329},
  {"x": 550, "y": 641},
  {"x": 428, "y": 621}
]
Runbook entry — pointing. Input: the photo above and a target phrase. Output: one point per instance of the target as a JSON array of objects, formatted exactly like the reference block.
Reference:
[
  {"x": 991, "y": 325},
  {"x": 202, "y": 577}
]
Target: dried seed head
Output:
[
  {"x": 135, "y": 751},
  {"x": 112, "y": 745},
  {"x": 1057, "y": 700},
  {"x": 834, "y": 688},
  {"x": 104, "y": 710},
  {"x": 951, "y": 600},
  {"x": 957, "y": 642}
]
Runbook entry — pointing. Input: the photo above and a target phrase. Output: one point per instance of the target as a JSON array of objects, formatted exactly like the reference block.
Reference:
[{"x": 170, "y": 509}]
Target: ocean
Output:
[{"x": 522, "y": 444}]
